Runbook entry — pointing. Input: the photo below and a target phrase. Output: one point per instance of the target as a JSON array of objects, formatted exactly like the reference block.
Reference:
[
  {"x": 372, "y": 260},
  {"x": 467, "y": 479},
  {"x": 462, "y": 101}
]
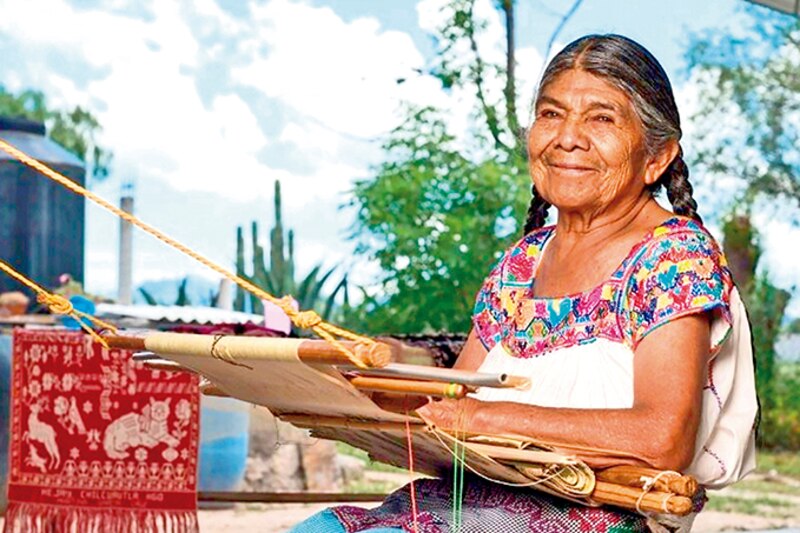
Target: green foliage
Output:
[
  {"x": 780, "y": 422},
  {"x": 766, "y": 304},
  {"x": 435, "y": 221},
  {"x": 437, "y": 213},
  {"x": 74, "y": 129},
  {"x": 782, "y": 462},
  {"x": 750, "y": 73},
  {"x": 279, "y": 279},
  {"x": 754, "y": 77}
]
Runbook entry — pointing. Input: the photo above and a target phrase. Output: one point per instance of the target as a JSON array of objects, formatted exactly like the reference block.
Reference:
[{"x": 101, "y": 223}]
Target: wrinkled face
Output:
[{"x": 586, "y": 145}]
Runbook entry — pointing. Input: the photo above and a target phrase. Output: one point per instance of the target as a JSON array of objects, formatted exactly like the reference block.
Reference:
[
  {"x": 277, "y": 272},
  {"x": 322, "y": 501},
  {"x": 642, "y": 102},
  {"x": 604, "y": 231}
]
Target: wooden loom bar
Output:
[
  {"x": 651, "y": 502},
  {"x": 322, "y": 352},
  {"x": 636, "y": 476},
  {"x": 411, "y": 386},
  {"x": 311, "y": 351}
]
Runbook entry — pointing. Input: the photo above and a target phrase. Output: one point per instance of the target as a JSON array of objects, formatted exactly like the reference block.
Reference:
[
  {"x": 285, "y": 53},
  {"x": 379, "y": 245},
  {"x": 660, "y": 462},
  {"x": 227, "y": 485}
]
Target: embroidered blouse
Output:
[
  {"x": 578, "y": 349},
  {"x": 578, "y": 352}
]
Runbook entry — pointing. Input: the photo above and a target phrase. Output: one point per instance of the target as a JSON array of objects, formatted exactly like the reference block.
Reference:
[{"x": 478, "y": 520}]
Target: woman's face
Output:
[{"x": 587, "y": 146}]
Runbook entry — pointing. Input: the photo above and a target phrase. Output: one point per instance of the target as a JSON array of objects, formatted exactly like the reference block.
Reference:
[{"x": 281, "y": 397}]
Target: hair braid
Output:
[
  {"x": 537, "y": 212},
  {"x": 679, "y": 189}
]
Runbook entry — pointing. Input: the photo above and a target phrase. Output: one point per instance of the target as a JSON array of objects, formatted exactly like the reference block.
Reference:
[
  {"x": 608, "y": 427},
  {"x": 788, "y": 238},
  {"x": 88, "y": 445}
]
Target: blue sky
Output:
[{"x": 205, "y": 103}]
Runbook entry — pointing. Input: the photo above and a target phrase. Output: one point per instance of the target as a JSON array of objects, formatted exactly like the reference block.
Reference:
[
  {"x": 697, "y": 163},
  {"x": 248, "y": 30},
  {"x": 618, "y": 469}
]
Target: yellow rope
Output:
[
  {"x": 59, "y": 305},
  {"x": 302, "y": 319}
]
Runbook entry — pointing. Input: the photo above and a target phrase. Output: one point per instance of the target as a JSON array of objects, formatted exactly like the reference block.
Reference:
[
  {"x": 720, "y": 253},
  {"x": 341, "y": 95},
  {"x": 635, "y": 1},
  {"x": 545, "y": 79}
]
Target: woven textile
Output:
[
  {"x": 487, "y": 508},
  {"x": 98, "y": 443}
]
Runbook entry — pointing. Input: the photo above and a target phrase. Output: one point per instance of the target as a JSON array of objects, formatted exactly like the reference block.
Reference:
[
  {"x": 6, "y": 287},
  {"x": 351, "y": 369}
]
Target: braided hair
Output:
[{"x": 628, "y": 66}]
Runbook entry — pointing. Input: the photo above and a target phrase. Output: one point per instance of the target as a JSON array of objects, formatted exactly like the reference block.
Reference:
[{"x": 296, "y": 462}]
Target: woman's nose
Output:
[{"x": 570, "y": 136}]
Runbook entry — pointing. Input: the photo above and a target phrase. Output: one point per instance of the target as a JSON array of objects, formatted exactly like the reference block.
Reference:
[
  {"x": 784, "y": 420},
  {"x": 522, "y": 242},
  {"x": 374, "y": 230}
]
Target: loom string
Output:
[
  {"x": 410, "y": 443},
  {"x": 59, "y": 305},
  {"x": 459, "y": 457},
  {"x": 303, "y": 319}
]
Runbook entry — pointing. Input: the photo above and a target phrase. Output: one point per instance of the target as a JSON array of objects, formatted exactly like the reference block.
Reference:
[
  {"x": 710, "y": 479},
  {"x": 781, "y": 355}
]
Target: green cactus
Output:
[
  {"x": 238, "y": 303},
  {"x": 279, "y": 279}
]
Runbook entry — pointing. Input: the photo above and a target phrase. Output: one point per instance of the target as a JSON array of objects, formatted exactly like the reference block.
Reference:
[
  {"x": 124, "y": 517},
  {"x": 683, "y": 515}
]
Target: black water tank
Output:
[{"x": 41, "y": 222}]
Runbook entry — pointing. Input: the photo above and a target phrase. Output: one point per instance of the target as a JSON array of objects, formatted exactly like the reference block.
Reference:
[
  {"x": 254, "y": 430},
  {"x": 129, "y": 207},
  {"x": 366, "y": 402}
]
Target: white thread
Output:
[{"x": 647, "y": 485}]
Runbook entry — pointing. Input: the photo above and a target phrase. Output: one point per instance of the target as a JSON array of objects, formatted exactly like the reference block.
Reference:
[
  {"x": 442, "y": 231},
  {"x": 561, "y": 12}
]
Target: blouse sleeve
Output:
[
  {"x": 676, "y": 275},
  {"x": 487, "y": 316}
]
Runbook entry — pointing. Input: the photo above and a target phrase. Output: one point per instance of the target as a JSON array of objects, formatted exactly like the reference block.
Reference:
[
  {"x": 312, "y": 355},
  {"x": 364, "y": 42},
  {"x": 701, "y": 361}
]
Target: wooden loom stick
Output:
[
  {"x": 311, "y": 351},
  {"x": 321, "y": 352},
  {"x": 637, "y": 476},
  {"x": 411, "y": 386},
  {"x": 651, "y": 502}
]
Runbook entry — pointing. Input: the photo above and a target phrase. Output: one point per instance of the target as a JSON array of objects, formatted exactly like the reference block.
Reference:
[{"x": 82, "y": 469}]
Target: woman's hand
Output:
[{"x": 452, "y": 415}]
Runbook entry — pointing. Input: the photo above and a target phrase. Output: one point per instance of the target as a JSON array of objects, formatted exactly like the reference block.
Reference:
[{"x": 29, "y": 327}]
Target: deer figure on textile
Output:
[{"x": 44, "y": 433}]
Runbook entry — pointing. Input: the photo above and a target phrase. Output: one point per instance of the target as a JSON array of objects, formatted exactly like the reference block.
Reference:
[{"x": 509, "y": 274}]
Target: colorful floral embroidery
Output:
[
  {"x": 676, "y": 270},
  {"x": 487, "y": 507}
]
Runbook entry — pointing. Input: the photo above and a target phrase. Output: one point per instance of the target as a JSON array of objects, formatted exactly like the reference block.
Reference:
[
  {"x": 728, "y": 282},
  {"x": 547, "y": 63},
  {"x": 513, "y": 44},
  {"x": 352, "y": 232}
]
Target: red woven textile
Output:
[{"x": 98, "y": 443}]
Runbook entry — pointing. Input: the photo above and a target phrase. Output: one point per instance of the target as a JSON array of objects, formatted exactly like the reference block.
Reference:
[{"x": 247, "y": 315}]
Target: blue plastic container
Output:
[
  {"x": 224, "y": 439},
  {"x": 5, "y": 412}
]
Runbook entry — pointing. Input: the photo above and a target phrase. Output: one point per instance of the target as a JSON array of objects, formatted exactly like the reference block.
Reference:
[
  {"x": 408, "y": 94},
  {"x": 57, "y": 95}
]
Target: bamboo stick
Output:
[
  {"x": 651, "y": 502},
  {"x": 637, "y": 476},
  {"x": 430, "y": 373},
  {"x": 410, "y": 386}
]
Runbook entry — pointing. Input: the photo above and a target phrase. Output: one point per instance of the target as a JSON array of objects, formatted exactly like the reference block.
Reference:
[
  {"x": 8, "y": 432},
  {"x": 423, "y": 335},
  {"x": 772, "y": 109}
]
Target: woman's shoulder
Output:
[
  {"x": 680, "y": 229},
  {"x": 518, "y": 264},
  {"x": 674, "y": 240}
]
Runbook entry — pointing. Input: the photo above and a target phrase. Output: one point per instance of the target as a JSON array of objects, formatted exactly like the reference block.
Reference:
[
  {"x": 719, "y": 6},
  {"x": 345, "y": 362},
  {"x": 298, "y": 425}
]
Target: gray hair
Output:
[{"x": 628, "y": 66}]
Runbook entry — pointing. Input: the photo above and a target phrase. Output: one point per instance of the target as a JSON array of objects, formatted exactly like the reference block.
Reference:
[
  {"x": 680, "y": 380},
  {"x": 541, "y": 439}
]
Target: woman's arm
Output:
[
  {"x": 660, "y": 429},
  {"x": 472, "y": 354}
]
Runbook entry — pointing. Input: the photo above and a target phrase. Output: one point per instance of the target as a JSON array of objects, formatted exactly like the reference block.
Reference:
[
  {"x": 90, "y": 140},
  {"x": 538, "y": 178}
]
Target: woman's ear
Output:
[{"x": 660, "y": 162}]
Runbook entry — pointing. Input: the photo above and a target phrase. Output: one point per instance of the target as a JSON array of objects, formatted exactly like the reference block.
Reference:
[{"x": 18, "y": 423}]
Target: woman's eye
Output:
[
  {"x": 604, "y": 118},
  {"x": 548, "y": 113}
]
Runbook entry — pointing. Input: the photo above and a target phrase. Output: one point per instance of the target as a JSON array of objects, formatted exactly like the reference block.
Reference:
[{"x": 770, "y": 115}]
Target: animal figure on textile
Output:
[
  {"x": 34, "y": 459},
  {"x": 44, "y": 433},
  {"x": 69, "y": 416},
  {"x": 148, "y": 428}
]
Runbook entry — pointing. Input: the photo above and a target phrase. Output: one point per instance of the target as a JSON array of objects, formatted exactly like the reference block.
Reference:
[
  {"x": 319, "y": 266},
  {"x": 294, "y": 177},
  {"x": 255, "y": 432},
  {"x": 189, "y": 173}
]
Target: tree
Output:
[
  {"x": 75, "y": 129},
  {"x": 437, "y": 215},
  {"x": 750, "y": 83}
]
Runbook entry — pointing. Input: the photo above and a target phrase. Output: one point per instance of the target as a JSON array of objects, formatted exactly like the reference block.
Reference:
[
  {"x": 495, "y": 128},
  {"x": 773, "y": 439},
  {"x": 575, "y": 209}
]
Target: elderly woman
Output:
[{"x": 623, "y": 314}]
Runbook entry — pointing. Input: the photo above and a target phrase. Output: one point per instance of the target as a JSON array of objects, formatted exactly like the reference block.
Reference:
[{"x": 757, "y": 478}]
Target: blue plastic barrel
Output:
[
  {"x": 5, "y": 412},
  {"x": 224, "y": 439}
]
